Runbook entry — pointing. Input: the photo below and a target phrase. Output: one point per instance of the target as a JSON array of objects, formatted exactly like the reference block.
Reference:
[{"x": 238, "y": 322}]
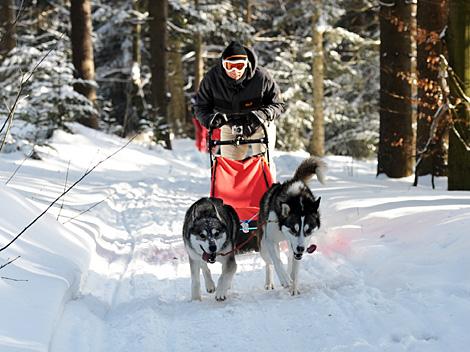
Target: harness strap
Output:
[
  {"x": 239, "y": 246},
  {"x": 206, "y": 257}
]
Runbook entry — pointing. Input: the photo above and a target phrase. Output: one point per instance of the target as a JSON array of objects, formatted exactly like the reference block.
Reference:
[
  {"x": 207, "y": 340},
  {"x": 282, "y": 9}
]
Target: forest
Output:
[{"x": 385, "y": 79}]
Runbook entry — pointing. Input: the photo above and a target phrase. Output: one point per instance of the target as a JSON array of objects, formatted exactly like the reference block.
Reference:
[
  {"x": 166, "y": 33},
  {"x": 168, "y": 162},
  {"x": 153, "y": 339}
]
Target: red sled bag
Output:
[
  {"x": 201, "y": 134},
  {"x": 241, "y": 183}
]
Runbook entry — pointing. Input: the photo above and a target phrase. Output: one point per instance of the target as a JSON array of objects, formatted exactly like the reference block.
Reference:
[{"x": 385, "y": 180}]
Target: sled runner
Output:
[{"x": 241, "y": 184}]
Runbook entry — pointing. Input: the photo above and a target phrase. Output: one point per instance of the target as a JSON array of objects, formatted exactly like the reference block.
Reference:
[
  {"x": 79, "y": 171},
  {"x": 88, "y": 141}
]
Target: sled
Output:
[{"x": 241, "y": 184}]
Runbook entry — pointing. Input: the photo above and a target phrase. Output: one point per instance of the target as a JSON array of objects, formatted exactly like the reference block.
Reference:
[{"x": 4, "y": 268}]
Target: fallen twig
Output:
[
  {"x": 19, "y": 166},
  {"x": 88, "y": 209},
  {"x": 65, "y": 187},
  {"x": 9, "y": 262},
  {"x": 9, "y": 278}
]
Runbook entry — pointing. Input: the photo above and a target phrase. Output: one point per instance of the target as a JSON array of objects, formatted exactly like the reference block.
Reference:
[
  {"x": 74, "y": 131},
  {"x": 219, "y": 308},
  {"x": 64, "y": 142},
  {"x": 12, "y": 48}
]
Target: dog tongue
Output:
[
  {"x": 208, "y": 258},
  {"x": 312, "y": 248}
]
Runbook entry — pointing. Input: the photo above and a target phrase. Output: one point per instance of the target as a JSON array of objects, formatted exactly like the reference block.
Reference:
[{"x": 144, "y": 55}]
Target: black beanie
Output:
[{"x": 234, "y": 48}]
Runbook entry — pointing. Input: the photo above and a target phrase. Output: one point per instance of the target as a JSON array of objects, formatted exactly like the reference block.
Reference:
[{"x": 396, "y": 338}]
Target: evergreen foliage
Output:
[
  {"x": 48, "y": 99},
  {"x": 280, "y": 33}
]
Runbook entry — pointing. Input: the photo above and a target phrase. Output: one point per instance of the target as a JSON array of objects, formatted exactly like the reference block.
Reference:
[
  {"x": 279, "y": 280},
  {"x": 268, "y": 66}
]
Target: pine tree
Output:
[
  {"x": 82, "y": 53},
  {"x": 158, "y": 11},
  {"x": 431, "y": 21},
  {"x": 7, "y": 26},
  {"x": 459, "y": 59},
  {"x": 397, "y": 141},
  {"x": 198, "y": 48},
  {"x": 317, "y": 144}
]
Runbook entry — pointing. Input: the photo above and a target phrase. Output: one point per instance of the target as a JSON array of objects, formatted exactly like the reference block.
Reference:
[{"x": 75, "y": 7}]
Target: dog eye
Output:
[
  {"x": 216, "y": 234},
  {"x": 202, "y": 236}
]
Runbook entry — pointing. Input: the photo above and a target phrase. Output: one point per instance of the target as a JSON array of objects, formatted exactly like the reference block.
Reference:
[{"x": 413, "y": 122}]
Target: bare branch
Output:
[
  {"x": 459, "y": 136},
  {"x": 65, "y": 187},
  {"x": 454, "y": 79},
  {"x": 65, "y": 192},
  {"x": 9, "y": 262},
  {"x": 88, "y": 209},
  {"x": 438, "y": 116},
  {"x": 21, "y": 164},
  {"x": 9, "y": 278}
]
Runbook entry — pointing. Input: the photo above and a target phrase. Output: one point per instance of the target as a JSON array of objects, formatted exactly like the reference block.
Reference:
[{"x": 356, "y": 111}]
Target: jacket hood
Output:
[{"x": 250, "y": 71}]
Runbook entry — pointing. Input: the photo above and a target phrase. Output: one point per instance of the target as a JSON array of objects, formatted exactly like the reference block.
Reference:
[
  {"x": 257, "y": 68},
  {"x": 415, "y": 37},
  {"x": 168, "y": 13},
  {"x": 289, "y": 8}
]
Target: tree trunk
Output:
[
  {"x": 136, "y": 31},
  {"x": 459, "y": 59},
  {"x": 248, "y": 13},
  {"x": 135, "y": 104},
  {"x": 158, "y": 10},
  {"x": 431, "y": 18},
  {"x": 397, "y": 139},
  {"x": 317, "y": 144},
  {"x": 177, "y": 106},
  {"x": 199, "y": 61},
  {"x": 8, "y": 26},
  {"x": 82, "y": 53}
]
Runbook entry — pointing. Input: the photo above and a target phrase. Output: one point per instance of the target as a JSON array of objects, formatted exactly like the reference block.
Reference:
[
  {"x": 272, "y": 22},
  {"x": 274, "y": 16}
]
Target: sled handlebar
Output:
[{"x": 239, "y": 140}]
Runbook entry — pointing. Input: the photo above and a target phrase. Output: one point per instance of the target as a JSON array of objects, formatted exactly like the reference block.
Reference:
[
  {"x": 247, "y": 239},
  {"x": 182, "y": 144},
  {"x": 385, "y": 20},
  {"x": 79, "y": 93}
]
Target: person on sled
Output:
[{"x": 238, "y": 92}]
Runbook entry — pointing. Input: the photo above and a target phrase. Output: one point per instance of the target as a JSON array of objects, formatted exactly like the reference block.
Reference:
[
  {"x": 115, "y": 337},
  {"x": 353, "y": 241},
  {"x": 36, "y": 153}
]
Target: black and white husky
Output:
[
  {"x": 289, "y": 211},
  {"x": 210, "y": 233}
]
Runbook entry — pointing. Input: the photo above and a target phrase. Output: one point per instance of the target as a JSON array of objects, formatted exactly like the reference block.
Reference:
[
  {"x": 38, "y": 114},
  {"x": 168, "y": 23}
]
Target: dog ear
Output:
[
  {"x": 285, "y": 210},
  {"x": 193, "y": 214},
  {"x": 233, "y": 221},
  {"x": 316, "y": 204}
]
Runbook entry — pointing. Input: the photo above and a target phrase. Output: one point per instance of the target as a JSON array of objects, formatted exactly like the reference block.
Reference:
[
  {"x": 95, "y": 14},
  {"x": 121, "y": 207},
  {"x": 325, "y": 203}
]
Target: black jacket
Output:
[{"x": 256, "y": 91}]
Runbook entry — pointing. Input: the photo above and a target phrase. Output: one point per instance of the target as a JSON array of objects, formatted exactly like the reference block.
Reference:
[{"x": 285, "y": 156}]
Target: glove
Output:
[
  {"x": 251, "y": 124},
  {"x": 217, "y": 120}
]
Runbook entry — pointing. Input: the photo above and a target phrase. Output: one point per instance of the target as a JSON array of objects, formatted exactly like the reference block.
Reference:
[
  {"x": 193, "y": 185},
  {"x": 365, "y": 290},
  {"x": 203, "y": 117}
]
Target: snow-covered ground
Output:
[{"x": 391, "y": 272}]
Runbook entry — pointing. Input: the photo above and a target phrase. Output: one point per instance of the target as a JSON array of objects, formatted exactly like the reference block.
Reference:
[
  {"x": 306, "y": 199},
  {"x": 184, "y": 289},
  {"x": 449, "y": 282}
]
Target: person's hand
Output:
[
  {"x": 251, "y": 124},
  {"x": 218, "y": 120}
]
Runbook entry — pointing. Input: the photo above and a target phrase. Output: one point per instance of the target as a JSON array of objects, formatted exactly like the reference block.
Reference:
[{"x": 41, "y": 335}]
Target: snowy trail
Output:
[
  {"x": 149, "y": 307},
  {"x": 389, "y": 273}
]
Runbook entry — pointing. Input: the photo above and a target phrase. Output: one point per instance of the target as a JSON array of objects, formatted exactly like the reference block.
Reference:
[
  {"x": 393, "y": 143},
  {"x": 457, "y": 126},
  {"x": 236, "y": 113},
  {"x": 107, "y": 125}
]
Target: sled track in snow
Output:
[{"x": 150, "y": 309}]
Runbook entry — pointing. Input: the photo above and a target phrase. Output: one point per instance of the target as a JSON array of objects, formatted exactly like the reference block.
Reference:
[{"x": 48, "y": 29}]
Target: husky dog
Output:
[
  {"x": 289, "y": 211},
  {"x": 210, "y": 232}
]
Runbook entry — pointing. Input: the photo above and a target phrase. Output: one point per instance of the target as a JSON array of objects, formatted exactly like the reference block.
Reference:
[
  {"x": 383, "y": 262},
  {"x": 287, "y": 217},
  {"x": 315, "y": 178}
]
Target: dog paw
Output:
[
  {"x": 285, "y": 282},
  {"x": 294, "y": 291},
  {"x": 220, "y": 294},
  {"x": 269, "y": 286},
  {"x": 196, "y": 298},
  {"x": 210, "y": 288},
  {"x": 220, "y": 298}
]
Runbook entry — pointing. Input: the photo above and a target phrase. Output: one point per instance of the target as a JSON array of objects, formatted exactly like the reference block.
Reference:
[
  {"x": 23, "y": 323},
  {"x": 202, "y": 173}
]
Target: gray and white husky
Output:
[
  {"x": 210, "y": 233},
  {"x": 289, "y": 211}
]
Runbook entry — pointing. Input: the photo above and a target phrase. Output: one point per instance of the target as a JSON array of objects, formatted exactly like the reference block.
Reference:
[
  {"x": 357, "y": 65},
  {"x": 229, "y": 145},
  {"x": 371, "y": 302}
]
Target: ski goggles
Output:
[{"x": 238, "y": 65}]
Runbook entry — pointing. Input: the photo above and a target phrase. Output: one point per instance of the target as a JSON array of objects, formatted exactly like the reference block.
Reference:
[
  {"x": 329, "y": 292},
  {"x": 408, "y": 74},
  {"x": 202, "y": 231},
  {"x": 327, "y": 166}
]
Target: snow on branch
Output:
[{"x": 23, "y": 83}]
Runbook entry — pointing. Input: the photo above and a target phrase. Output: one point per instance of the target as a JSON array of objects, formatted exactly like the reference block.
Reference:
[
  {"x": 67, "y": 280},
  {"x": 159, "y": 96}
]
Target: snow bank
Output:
[{"x": 52, "y": 260}]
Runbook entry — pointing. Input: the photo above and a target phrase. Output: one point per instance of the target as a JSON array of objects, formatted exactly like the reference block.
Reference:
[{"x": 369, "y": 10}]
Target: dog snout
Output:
[
  {"x": 300, "y": 249},
  {"x": 212, "y": 248}
]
